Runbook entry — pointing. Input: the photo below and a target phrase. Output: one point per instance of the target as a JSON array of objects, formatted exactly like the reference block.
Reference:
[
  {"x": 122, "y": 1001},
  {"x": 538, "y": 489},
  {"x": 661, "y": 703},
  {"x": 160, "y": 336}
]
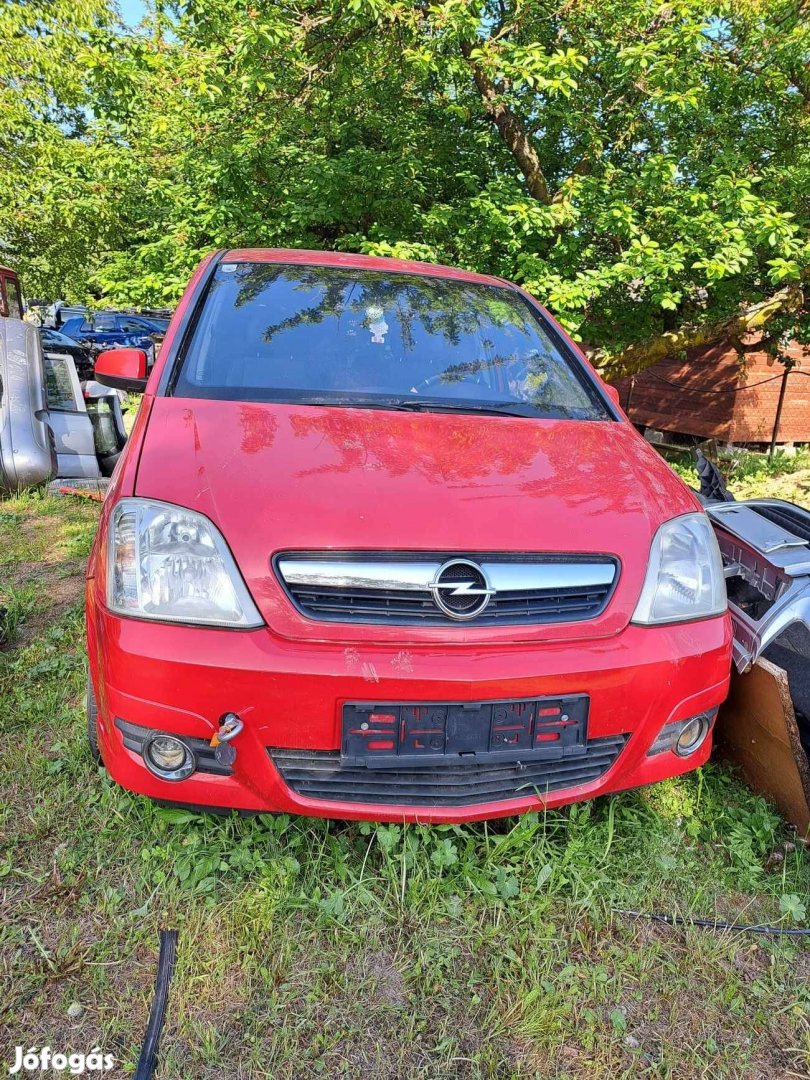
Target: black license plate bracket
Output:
[{"x": 398, "y": 734}]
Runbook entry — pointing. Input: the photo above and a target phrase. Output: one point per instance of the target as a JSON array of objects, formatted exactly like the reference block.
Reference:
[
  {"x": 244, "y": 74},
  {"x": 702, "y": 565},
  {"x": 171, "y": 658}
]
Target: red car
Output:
[{"x": 382, "y": 545}]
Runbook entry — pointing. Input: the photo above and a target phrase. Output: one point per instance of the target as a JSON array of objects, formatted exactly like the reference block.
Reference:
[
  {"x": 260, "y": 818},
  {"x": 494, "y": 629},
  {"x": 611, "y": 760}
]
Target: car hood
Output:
[{"x": 280, "y": 478}]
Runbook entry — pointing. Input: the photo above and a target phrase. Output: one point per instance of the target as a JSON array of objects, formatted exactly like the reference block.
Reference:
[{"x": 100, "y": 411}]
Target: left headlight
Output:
[
  {"x": 172, "y": 564},
  {"x": 685, "y": 577}
]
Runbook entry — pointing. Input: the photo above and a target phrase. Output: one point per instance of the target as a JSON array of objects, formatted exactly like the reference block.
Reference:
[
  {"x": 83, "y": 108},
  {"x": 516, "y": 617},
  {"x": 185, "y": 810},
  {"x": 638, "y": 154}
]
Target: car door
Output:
[
  {"x": 68, "y": 418},
  {"x": 135, "y": 332},
  {"x": 26, "y": 454},
  {"x": 100, "y": 329}
]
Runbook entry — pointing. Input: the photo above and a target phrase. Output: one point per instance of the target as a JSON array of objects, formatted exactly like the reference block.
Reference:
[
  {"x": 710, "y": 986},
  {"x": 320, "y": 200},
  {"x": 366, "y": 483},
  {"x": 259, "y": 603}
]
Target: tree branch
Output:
[
  {"x": 644, "y": 354},
  {"x": 510, "y": 128}
]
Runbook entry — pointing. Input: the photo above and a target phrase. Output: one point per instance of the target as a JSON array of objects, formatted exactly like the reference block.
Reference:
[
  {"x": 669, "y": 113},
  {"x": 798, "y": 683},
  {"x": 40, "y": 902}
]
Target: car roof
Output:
[
  {"x": 349, "y": 261},
  {"x": 87, "y": 317}
]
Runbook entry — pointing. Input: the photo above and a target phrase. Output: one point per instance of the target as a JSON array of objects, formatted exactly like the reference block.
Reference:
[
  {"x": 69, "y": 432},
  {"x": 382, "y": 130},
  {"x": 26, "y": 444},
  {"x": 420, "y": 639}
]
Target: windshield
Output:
[
  {"x": 325, "y": 335},
  {"x": 56, "y": 338}
]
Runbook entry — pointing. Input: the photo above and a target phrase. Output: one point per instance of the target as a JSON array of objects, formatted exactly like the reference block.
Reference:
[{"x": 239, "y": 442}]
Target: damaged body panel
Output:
[
  {"x": 765, "y": 544},
  {"x": 27, "y": 455},
  {"x": 51, "y": 424}
]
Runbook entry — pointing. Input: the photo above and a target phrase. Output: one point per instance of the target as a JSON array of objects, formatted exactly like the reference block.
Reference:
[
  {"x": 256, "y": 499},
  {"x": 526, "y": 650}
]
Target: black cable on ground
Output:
[
  {"x": 717, "y": 924},
  {"x": 723, "y": 390},
  {"x": 166, "y": 961}
]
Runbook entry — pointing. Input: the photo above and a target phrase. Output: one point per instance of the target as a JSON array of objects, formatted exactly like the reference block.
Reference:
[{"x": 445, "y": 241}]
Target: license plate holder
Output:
[{"x": 397, "y": 734}]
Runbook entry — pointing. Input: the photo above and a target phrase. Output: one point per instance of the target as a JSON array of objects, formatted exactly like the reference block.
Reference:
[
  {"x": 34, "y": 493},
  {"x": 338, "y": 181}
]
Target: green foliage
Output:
[
  {"x": 673, "y": 140},
  {"x": 751, "y": 475}
]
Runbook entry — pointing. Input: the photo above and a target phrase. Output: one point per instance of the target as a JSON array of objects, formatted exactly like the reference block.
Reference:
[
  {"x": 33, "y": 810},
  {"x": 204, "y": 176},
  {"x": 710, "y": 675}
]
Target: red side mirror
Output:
[
  {"x": 124, "y": 369},
  {"x": 612, "y": 393}
]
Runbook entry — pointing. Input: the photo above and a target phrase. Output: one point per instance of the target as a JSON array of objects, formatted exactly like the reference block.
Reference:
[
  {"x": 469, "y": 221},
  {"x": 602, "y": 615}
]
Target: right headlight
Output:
[
  {"x": 172, "y": 564},
  {"x": 685, "y": 577}
]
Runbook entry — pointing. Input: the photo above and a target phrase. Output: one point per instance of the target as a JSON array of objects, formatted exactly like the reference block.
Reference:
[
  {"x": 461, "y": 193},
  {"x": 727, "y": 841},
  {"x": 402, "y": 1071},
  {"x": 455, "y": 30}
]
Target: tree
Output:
[
  {"x": 643, "y": 168},
  {"x": 60, "y": 183}
]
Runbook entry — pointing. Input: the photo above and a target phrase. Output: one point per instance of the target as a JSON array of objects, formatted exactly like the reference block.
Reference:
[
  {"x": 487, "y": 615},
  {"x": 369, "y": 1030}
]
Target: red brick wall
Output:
[{"x": 744, "y": 416}]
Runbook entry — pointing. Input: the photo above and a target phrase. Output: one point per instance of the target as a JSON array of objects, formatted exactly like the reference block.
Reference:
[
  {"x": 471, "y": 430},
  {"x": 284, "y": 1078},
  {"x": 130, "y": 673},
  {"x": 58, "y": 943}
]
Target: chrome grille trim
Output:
[
  {"x": 417, "y": 576},
  {"x": 398, "y": 590}
]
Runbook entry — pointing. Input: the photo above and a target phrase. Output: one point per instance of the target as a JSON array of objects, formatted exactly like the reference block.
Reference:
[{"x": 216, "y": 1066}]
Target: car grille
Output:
[
  {"x": 319, "y": 774},
  {"x": 557, "y": 589}
]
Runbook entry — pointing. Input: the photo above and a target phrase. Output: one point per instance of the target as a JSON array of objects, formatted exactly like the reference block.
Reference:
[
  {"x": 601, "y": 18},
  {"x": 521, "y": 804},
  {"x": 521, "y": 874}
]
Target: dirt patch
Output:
[
  {"x": 377, "y": 974},
  {"x": 58, "y": 586},
  {"x": 44, "y": 531},
  {"x": 42, "y": 559}
]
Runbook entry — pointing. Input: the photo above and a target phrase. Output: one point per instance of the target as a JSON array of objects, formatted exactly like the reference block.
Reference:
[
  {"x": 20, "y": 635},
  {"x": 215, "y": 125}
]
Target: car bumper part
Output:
[
  {"x": 765, "y": 544},
  {"x": 291, "y": 697}
]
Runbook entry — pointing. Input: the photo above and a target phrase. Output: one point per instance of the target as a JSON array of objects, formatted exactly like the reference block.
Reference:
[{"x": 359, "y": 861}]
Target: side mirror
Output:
[
  {"x": 123, "y": 369},
  {"x": 612, "y": 393}
]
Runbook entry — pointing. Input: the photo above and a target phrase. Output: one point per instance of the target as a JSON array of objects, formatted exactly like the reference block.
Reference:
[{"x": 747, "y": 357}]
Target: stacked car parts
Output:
[{"x": 51, "y": 424}]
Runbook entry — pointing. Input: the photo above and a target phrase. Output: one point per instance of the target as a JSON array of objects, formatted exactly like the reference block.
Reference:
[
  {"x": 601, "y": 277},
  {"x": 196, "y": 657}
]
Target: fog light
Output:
[
  {"x": 692, "y": 735},
  {"x": 683, "y": 737},
  {"x": 168, "y": 758}
]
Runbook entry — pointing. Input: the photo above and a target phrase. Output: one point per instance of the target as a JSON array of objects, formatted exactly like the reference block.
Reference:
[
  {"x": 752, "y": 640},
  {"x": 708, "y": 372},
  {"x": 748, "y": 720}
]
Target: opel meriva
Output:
[{"x": 382, "y": 545}]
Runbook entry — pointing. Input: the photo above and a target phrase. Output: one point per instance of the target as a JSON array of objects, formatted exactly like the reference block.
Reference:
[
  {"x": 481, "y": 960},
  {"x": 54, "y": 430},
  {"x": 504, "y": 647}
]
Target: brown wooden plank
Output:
[{"x": 756, "y": 730}]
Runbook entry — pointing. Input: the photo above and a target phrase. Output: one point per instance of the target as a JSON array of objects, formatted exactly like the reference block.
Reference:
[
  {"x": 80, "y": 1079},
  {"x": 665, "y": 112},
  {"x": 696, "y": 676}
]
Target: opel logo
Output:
[{"x": 460, "y": 589}]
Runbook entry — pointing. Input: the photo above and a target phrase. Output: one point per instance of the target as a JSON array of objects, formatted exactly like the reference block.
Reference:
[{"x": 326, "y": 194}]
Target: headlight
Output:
[
  {"x": 171, "y": 564},
  {"x": 685, "y": 574}
]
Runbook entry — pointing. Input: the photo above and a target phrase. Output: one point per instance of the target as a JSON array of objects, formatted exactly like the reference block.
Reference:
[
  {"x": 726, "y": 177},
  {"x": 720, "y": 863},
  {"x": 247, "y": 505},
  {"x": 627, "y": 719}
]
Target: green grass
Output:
[
  {"x": 750, "y": 475},
  {"x": 340, "y": 949}
]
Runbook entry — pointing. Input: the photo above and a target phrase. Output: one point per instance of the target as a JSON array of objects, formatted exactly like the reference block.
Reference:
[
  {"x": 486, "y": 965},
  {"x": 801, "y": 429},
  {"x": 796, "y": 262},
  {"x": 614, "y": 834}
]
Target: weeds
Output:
[{"x": 748, "y": 474}]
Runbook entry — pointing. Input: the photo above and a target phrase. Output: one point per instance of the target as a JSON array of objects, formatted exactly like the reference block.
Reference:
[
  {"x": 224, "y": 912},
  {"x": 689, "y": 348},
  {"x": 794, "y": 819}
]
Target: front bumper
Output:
[{"x": 290, "y": 695}]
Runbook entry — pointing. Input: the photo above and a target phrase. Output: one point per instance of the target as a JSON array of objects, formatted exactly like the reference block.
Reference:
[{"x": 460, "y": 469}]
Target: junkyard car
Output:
[
  {"x": 382, "y": 545},
  {"x": 108, "y": 328},
  {"x": 54, "y": 341},
  {"x": 51, "y": 423},
  {"x": 27, "y": 454}
]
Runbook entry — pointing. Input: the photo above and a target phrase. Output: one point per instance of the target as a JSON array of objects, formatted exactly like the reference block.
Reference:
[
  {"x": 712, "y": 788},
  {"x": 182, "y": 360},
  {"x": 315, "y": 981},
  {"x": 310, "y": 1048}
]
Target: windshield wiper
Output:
[
  {"x": 508, "y": 408},
  {"x": 345, "y": 403},
  {"x": 398, "y": 404}
]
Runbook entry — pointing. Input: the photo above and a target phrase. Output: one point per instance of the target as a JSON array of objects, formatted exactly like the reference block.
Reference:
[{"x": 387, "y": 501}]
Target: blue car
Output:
[{"x": 109, "y": 328}]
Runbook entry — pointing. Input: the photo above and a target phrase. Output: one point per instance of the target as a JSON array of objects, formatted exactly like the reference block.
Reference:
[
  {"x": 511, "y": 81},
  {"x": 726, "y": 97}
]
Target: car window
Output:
[
  {"x": 134, "y": 326},
  {"x": 3, "y": 300},
  {"x": 98, "y": 324},
  {"x": 269, "y": 331},
  {"x": 59, "y": 384},
  {"x": 13, "y": 298},
  {"x": 53, "y": 337}
]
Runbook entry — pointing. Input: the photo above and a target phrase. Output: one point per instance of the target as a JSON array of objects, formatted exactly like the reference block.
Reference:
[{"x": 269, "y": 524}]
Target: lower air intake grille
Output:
[{"x": 318, "y": 774}]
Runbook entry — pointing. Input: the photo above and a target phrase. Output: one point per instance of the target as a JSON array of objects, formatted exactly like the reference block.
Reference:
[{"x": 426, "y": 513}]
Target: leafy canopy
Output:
[{"x": 642, "y": 167}]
